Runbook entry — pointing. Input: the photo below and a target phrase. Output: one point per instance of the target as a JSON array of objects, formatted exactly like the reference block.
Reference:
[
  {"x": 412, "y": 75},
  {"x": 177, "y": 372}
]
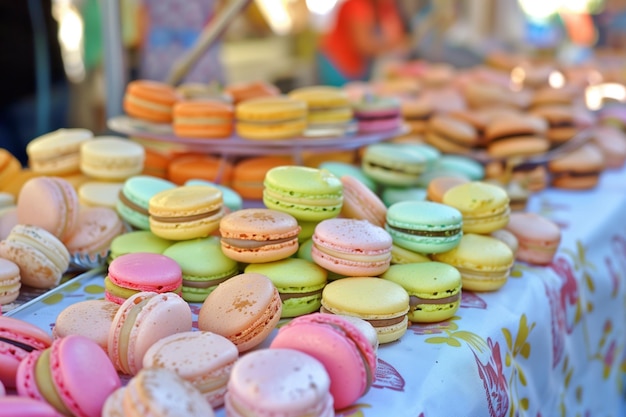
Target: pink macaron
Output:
[
  {"x": 344, "y": 350},
  {"x": 351, "y": 247},
  {"x": 538, "y": 237},
  {"x": 141, "y": 271},
  {"x": 74, "y": 375},
  {"x": 50, "y": 203},
  {"x": 16, "y": 406},
  {"x": 378, "y": 114},
  {"x": 142, "y": 320},
  {"x": 279, "y": 383},
  {"x": 17, "y": 339}
]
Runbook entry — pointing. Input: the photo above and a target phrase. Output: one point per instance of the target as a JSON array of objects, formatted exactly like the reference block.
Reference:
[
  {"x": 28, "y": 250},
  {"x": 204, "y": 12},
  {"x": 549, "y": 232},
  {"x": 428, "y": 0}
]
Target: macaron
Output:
[
  {"x": 99, "y": 193},
  {"x": 50, "y": 203},
  {"x": 347, "y": 355},
  {"x": 377, "y": 114},
  {"x": 8, "y": 220},
  {"x": 186, "y": 212},
  {"x": 231, "y": 199},
  {"x": 400, "y": 255},
  {"x": 203, "y": 264},
  {"x": 437, "y": 187},
  {"x": 339, "y": 169},
  {"x": 484, "y": 206},
  {"x": 10, "y": 282},
  {"x": 158, "y": 392},
  {"x": 17, "y": 339},
  {"x": 96, "y": 229},
  {"x": 538, "y": 237},
  {"x": 612, "y": 143},
  {"x": 270, "y": 118},
  {"x": 137, "y": 241},
  {"x": 136, "y": 272},
  {"x": 142, "y": 320},
  {"x": 383, "y": 303},
  {"x": 351, "y": 247},
  {"x": 58, "y": 152},
  {"x": 241, "y": 91},
  {"x": 328, "y": 108},
  {"x": 41, "y": 256},
  {"x": 111, "y": 158},
  {"x": 434, "y": 289},
  {"x": 359, "y": 202},
  {"x": 392, "y": 195},
  {"x": 462, "y": 165},
  {"x": 308, "y": 194},
  {"x": 424, "y": 226},
  {"x": 561, "y": 122},
  {"x": 249, "y": 174},
  {"x": 283, "y": 382},
  {"x": 392, "y": 164},
  {"x": 60, "y": 374},
  {"x": 183, "y": 168},
  {"x": 134, "y": 197},
  {"x": 256, "y": 235},
  {"x": 89, "y": 318},
  {"x": 203, "y": 119},
  {"x": 483, "y": 261},
  {"x": 150, "y": 100},
  {"x": 10, "y": 166},
  {"x": 450, "y": 134},
  {"x": 204, "y": 359},
  {"x": 244, "y": 309},
  {"x": 579, "y": 169},
  {"x": 299, "y": 282},
  {"x": 16, "y": 406}
]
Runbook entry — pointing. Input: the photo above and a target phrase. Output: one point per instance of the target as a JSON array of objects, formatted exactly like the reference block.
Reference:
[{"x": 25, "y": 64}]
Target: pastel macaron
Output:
[
  {"x": 270, "y": 118},
  {"x": 434, "y": 289},
  {"x": 99, "y": 193},
  {"x": 483, "y": 261},
  {"x": 50, "y": 203},
  {"x": 134, "y": 197},
  {"x": 203, "y": 119},
  {"x": 88, "y": 318},
  {"x": 17, "y": 406},
  {"x": 383, "y": 303},
  {"x": 95, "y": 230},
  {"x": 231, "y": 199},
  {"x": 140, "y": 271},
  {"x": 328, "y": 108},
  {"x": 137, "y": 241},
  {"x": 299, "y": 282},
  {"x": 278, "y": 382},
  {"x": 393, "y": 164},
  {"x": 308, "y": 194},
  {"x": 40, "y": 255},
  {"x": 346, "y": 353},
  {"x": 157, "y": 391},
  {"x": 142, "y": 320},
  {"x": 17, "y": 339},
  {"x": 424, "y": 226},
  {"x": 538, "y": 237},
  {"x": 204, "y": 359},
  {"x": 57, "y": 152},
  {"x": 359, "y": 202},
  {"x": 351, "y": 247},
  {"x": 111, "y": 158},
  {"x": 245, "y": 309},
  {"x": 249, "y": 174},
  {"x": 484, "y": 206},
  {"x": 186, "y": 212},
  {"x": 258, "y": 235},
  {"x": 149, "y": 100},
  {"x": 10, "y": 282},
  {"x": 61, "y": 374},
  {"x": 203, "y": 264},
  {"x": 377, "y": 114}
]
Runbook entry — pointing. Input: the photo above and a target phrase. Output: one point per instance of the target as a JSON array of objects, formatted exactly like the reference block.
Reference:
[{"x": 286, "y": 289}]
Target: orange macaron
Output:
[
  {"x": 203, "y": 119},
  {"x": 199, "y": 167},
  {"x": 249, "y": 173},
  {"x": 152, "y": 101}
]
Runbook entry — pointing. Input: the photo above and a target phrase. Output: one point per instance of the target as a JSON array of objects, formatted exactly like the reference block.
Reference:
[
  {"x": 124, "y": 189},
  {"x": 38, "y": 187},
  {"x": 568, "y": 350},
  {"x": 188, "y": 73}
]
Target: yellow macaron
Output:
[{"x": 267, "y": 118}]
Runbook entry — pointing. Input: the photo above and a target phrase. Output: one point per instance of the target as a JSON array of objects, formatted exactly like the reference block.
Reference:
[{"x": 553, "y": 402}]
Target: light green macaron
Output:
[
  {"x": 300, "y": 283},
  {"x": 434, "y": 289},
  {"x": 138, "y": 241}
]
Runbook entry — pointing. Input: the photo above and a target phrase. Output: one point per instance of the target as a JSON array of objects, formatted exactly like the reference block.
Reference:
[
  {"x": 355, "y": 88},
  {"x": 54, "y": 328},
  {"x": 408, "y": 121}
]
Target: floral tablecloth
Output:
[{"x": 551, "y": 342}]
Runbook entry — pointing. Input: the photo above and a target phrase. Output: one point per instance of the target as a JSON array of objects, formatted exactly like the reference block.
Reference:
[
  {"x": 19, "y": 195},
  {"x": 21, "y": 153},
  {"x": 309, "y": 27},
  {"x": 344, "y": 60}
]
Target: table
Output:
[{"x": 550, "y": 342}]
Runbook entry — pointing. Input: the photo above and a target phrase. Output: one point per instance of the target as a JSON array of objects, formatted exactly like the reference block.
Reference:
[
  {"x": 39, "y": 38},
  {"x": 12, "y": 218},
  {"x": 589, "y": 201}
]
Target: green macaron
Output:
[
  {"x": 203, "y": 265},
  {"x": 394, "y": 164},
  {"x": 434, "y": 289},
  {"x": 300, "y": 283},
  {"x": 339, "y": 169},
  {"x": 424, "y": 226},
  {"x": 138, "y": 241},
  {"x": 132, "y": 204}
]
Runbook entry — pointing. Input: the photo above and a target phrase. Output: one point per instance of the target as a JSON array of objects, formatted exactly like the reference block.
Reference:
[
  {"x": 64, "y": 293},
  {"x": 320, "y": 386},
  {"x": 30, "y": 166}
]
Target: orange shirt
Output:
[{"x": 339, "y": 46}]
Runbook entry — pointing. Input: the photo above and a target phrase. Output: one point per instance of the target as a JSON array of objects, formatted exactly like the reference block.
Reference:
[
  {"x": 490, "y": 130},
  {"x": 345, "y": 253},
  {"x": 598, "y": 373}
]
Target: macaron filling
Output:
[
  {"x": 190, "y": 218},
  {"x": 427, "y": 233},
  {"x": 125, "y": 331},
  {"x": 133, "y": 206},
  {"x": 45, "y": 383},
  {"x": 248, "y": 244},
  {"x": 415, "y": 301},
  {"x": 206, "y": 284}
]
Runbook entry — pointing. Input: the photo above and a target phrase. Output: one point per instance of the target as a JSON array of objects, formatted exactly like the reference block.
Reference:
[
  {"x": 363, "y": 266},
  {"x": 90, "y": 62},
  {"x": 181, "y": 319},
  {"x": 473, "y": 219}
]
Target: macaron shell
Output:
[
  {"x": 145, "y": 272},
  {"x": 96, "y": 228},
  {"x": 10, "y": 282},
  {"x": 538, "y": 237},
  {"x": 71, "y": 360},
  {"x": 111, "y": 158},
  {"x": 203, "y": 358},
  {"x": 90, "y": 318},
  {"x": 244, "y": 309},
  {"x": 57, "y": 152},
  {"x": 265, "y": 383},
  {"x": 359, "y": 202},
  {"x": 14, "y": 406},
  {"x": 99, "y": 193},
  {"x": 138, "y": 241},
  {"x": 484, "y": 206},
  {"x": 50, "y": 203}
]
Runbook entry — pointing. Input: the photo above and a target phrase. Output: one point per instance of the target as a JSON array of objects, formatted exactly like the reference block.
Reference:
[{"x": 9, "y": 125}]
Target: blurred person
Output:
[
  {"x": 168, "y": 29},
  {"x": 34, "y": 95},
  {"x": 363, "y": 31}
]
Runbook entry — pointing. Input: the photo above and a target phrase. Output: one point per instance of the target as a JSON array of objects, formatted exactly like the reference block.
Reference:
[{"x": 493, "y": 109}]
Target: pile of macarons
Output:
[{"x": 259, "y": 111}]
